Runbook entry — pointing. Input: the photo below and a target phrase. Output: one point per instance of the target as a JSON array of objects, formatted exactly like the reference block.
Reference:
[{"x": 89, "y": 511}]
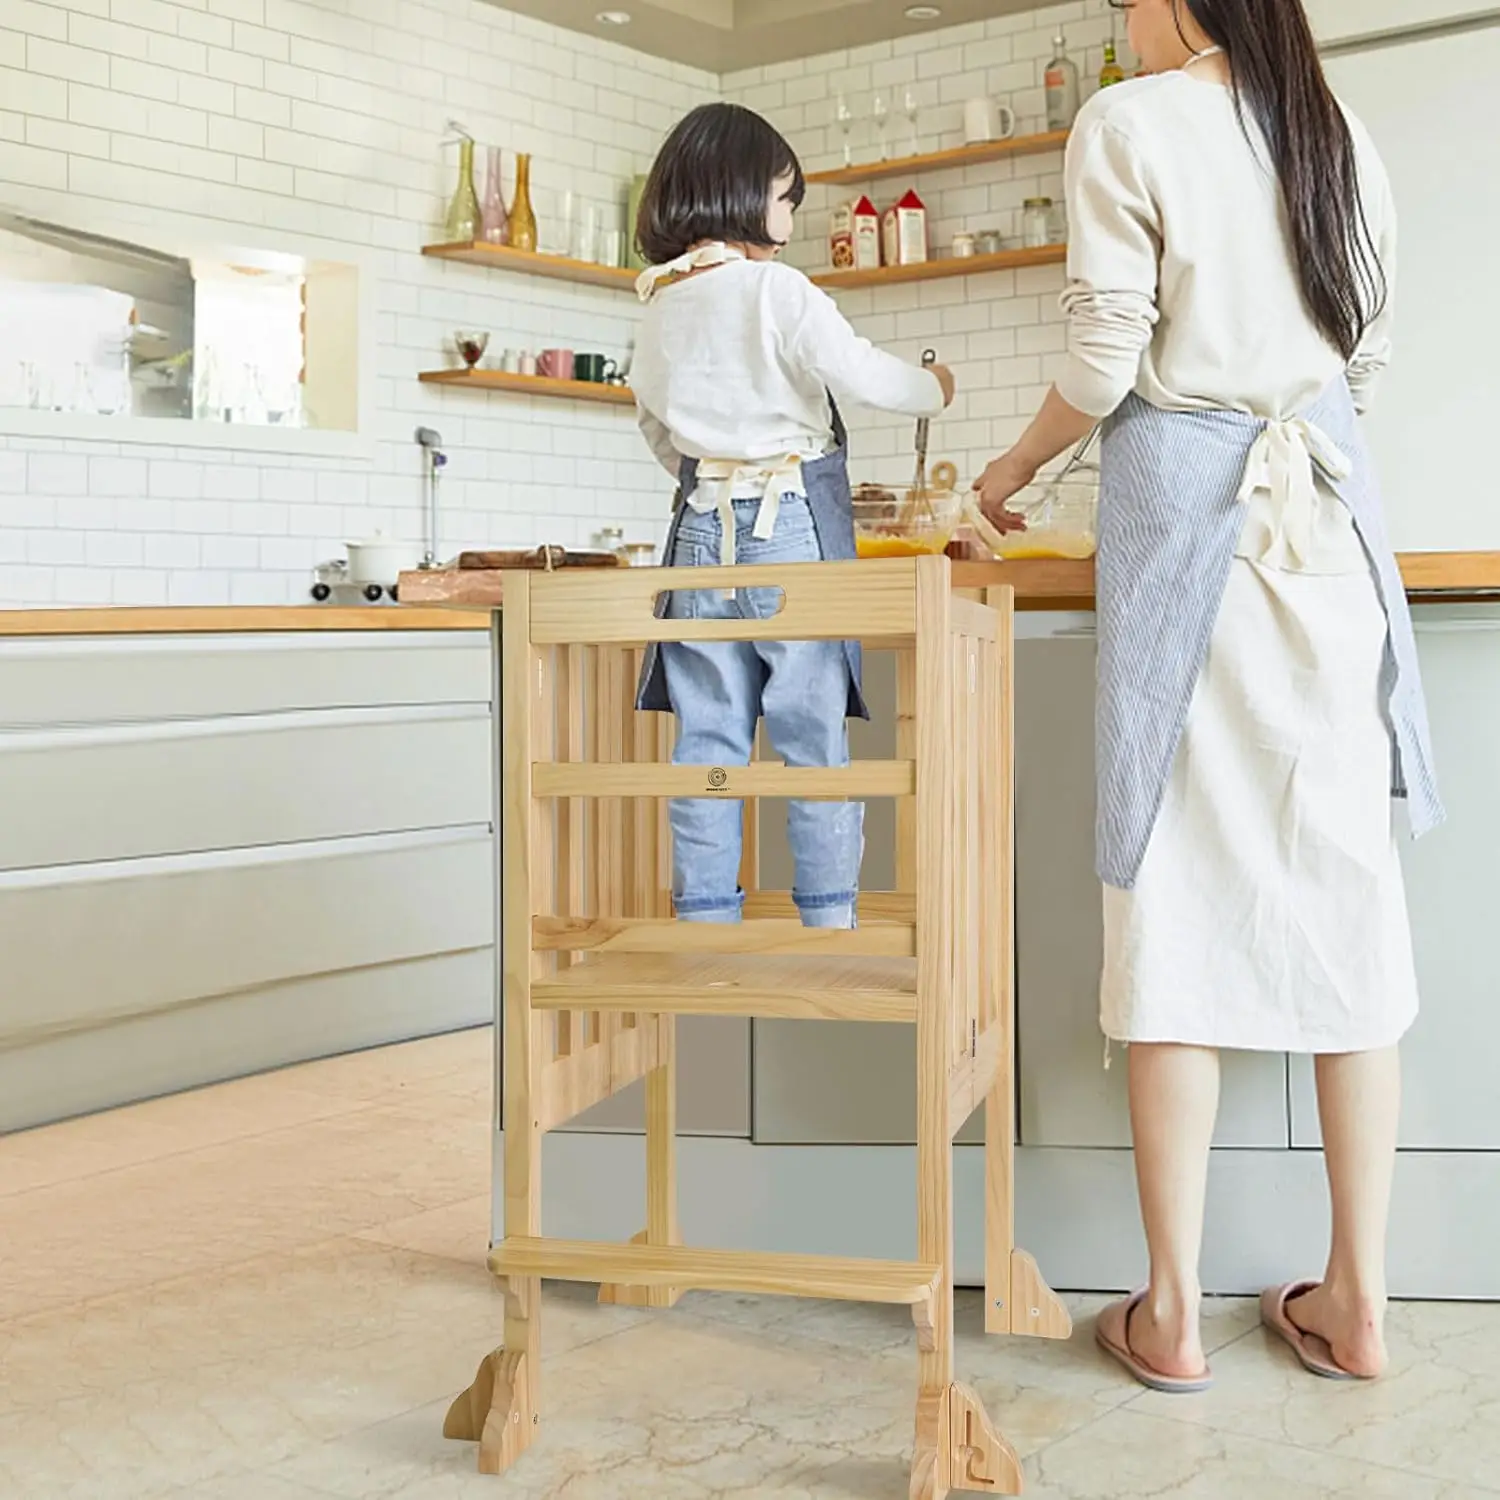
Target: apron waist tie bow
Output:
[
  {"x": 1282, "y": 464},
  {"x": 722, "y": 481}
]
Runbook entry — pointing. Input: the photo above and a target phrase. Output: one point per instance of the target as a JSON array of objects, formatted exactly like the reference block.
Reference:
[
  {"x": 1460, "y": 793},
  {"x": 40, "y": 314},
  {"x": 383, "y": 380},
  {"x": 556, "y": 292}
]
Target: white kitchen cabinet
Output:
[
  {"x": 114, "y": 679},
  {"x": 713, "y": 1085},
  {"x": 215, "y": 1037},
  {"x": 135, "y": 791},
  {"x": 227, "y": 852}
]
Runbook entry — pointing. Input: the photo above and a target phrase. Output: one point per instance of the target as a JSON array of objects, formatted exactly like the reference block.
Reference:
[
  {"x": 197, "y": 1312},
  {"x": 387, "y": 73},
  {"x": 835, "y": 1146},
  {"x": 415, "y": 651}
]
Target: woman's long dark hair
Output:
[{"x": 1277, "y": 74}]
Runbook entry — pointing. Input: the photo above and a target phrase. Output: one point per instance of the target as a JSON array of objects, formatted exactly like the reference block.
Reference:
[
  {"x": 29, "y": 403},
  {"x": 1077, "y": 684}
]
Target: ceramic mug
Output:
[
  {"x": 528, "y": 362},
  {"x": 984, "y": 120},
  {"x": 511, "y": 361},
  {"x": 555, "y": 364},
  {"x": 594, "y": 368}
]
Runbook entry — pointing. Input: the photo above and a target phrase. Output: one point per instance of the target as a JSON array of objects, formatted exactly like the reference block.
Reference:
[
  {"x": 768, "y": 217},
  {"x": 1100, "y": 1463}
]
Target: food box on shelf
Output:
[
  {"x": 906, "y": 231},
  {"x": 854, "y": 236}
]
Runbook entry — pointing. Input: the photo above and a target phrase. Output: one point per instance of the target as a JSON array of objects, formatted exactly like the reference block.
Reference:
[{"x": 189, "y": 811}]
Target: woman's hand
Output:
[{"x": 1004, "y": 478}]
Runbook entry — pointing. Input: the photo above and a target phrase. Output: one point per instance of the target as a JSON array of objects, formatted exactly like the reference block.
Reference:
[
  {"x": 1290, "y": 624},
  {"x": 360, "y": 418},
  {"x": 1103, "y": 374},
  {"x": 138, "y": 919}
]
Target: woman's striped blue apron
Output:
[{"x": 1170, "y": 514}]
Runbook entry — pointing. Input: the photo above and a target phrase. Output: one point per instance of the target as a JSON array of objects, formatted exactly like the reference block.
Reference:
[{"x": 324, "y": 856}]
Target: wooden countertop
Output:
[
  {"x": 452, "y": 600},
  {"x": 235, "y": 620},
  {"x": 1435, "y": 577}
]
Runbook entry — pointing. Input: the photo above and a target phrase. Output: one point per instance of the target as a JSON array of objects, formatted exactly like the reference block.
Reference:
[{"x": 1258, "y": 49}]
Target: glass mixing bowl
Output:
[
  {"x": 1061, "y": 516},
  {"x": 891, "y": 525}
]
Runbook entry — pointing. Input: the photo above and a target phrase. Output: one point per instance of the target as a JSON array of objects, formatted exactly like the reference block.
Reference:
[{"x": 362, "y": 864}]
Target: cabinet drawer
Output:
[
  {"x": 111, "y": 680},
  {"x": 95, "y": 944},
  {"x": 133, "y": 791}
]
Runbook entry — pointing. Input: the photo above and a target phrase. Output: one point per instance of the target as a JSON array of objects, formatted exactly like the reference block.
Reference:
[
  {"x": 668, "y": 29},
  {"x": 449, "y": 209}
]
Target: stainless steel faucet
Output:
[{"x": 431, "y": 443}]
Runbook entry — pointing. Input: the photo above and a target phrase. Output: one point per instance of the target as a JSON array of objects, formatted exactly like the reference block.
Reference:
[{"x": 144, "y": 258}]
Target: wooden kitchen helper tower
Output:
[{"x": 595, "y": 970}]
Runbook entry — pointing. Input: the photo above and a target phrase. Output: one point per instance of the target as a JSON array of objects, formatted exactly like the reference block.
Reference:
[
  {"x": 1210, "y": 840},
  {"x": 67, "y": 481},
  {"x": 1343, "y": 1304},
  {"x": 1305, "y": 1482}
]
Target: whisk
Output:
[{"x": 918, "y": 503}]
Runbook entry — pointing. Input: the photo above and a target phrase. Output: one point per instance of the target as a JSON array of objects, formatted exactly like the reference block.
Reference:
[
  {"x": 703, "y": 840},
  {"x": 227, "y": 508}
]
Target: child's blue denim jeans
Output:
[{"x": 719, "y": 690}]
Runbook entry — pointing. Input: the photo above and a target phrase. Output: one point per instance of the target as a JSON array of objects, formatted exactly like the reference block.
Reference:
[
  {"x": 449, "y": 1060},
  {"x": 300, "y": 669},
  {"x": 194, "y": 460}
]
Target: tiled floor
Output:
[{"x": 271, "y": 1289}]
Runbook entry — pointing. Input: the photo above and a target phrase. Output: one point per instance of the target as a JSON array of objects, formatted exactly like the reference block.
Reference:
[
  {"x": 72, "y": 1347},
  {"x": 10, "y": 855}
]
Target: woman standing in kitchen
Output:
[{"x": 1229, "y": 298}]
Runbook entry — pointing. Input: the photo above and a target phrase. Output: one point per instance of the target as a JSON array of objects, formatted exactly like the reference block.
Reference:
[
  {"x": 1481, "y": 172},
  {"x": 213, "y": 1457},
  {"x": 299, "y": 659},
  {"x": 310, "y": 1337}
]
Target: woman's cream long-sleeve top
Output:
[{"x": 1181, "y": 280}]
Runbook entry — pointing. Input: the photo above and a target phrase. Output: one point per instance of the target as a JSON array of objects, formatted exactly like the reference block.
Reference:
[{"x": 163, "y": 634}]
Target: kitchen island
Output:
[
  {"x": 233, "y": 839},
  {"x": 250, "y": 836},
  {"x": 800, "y": 1133}
]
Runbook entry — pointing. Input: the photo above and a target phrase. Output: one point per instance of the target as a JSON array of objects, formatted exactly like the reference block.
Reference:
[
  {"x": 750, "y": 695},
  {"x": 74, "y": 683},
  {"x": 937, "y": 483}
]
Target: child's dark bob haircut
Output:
[{"x": 712, "y": 181}]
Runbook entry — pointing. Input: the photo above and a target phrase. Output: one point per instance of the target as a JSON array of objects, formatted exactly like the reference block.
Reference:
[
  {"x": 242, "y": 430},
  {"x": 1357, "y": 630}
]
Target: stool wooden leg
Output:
[
  {"x": 499, "y": 1410},
  {"x": 661, "y": 1173},
  {"x": 956, "y": 1445},
  {"x": 1017, "y": 1299}
]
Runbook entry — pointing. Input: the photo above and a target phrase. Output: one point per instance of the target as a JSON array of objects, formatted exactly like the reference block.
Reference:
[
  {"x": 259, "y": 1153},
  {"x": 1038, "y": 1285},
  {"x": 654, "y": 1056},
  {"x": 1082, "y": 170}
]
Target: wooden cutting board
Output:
[{"x": 544, "y": 558}]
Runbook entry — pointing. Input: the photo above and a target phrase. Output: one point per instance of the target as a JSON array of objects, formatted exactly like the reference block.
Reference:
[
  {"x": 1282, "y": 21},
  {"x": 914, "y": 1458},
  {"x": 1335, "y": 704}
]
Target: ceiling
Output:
[{"x": 723, "y": 36}]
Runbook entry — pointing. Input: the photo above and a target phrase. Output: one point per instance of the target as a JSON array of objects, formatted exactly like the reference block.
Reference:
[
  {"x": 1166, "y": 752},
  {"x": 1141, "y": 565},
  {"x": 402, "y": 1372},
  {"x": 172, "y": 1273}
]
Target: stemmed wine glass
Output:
[
  {"x": 882, "y": 112},
  {"x": 845, "y": 117},
  {"x": 912, "y": 106}
]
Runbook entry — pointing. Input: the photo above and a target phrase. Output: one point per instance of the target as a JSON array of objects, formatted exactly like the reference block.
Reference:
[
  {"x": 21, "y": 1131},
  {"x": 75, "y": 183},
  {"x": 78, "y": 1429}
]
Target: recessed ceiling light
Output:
[
  {"x": 613, "y": 18},
  {"x": 923, "y": 12}
]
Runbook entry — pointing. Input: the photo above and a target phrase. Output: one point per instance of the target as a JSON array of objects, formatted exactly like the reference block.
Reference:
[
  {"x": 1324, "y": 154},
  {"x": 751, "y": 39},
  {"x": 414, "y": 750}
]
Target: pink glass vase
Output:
[{"x": 495, "y": 221}]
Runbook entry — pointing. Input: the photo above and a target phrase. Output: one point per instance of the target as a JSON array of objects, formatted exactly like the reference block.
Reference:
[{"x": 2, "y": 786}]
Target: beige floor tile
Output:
[
  {"x": 726, "y": 1396},
  {"x": 678, "y": 1407},
  {"x": 1436, "y": 1413},
  {"x": 192, "y": 1380},
  {"x": 460, "y": 1231},
  {"x": 271, "y": 1290},
  {"x": 160, "y": 1128},
  {"x": 429, "y": 1075},
  {"x": 459, "y": 1061},
  {"x": 225, "y": 1203},
  {"x": 256, "y": 1486},
  {"x": 1130, "y": 1454}
]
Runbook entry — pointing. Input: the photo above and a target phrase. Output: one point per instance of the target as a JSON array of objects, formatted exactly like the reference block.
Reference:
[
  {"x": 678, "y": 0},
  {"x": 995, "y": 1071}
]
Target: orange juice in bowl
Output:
[
  {"x": 915, "y": 524},
  {"x": 1061, "y": 516}
]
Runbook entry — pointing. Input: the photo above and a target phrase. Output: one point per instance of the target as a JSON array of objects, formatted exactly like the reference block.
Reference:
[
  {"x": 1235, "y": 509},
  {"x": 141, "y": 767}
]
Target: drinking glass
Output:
[
  {"x": 882, "y": 112},
  {"x": 912, "y": 106},
  {"x": 586, "y": 234},
  {"x": 845, "y": 117}
]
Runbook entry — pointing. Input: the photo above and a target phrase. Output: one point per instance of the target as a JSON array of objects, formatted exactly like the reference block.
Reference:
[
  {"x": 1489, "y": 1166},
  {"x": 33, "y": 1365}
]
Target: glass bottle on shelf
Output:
[
  {"x": 463, "y": 223},
  {"x": 1062, "y": 87},
  {"x": 494, "y": 217},
  {"x": 1111, "y": 72},
  {"x": 522, "y": 217}
]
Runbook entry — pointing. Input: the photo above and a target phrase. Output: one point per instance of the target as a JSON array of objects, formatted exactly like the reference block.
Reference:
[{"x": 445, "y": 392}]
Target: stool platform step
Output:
[
  {"x": 796, "y": 987},
  {"x": 900, "y": 1283}
]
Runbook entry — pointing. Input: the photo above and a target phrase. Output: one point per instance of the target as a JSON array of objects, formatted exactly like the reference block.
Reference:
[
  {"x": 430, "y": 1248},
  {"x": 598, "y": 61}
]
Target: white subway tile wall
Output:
[
  {"x": 299, "y": 116},
  {"x": 1002, "y": 332},
  {"x": 326, "y": 119}
]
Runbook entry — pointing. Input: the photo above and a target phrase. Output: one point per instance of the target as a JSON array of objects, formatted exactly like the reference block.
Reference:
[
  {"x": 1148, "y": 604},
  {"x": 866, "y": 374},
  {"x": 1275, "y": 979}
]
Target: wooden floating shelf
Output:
[
  {"x": 531, "y": 385},
  {"x": 941, "y": 270},
  {"x": 530, "y": 263},
  {"x": 943, "y": 161}
]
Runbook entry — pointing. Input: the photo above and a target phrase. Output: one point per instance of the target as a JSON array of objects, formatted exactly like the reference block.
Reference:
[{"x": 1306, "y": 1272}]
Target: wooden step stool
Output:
[{"x": 595, "y": 970}]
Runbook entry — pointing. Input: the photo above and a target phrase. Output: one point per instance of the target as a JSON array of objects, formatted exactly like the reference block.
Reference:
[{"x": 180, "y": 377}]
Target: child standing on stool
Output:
[{"x": 739, "y": 367}]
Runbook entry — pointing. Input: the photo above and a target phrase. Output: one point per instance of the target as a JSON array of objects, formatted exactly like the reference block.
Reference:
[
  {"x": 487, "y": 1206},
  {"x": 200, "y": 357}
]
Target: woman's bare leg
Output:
[
  {"x": 1174, "y": 1100},
  {"x": 1359, "y": 1101}
]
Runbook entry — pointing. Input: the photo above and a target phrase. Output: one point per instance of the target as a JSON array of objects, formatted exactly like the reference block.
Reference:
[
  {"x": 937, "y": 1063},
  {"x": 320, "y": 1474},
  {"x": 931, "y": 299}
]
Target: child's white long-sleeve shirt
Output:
[{"x": 736, "y": 363}]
